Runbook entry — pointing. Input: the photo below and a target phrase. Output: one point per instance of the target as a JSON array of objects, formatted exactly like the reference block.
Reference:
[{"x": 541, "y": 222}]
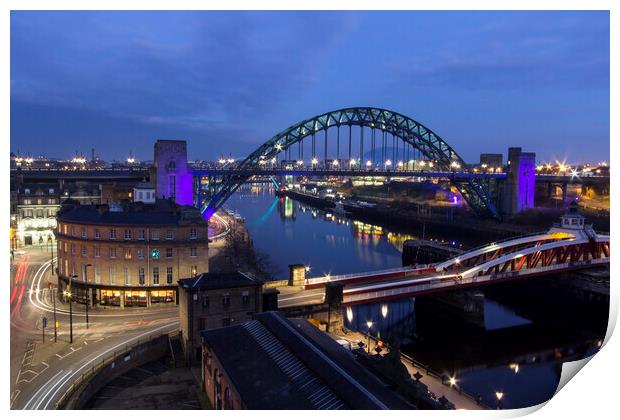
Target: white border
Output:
[{"x": 592, "y": 394}]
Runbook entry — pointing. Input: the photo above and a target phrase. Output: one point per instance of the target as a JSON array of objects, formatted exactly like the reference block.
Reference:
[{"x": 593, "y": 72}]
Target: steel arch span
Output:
[{"x": 407, "y": 134}]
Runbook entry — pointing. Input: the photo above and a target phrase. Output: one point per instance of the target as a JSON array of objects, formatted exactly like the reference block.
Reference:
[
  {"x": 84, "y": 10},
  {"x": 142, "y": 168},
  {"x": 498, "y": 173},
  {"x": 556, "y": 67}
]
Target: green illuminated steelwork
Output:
[{"x": 476, "y": 190}]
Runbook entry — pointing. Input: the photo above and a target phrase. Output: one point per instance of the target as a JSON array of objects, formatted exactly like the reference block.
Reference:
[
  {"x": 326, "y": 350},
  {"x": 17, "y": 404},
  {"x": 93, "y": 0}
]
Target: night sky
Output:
[{"x": 228, "y": 81}]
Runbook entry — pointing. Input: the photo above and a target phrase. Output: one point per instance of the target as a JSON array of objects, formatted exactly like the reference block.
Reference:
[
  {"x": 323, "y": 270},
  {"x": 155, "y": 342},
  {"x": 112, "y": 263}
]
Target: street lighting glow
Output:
[
  {"x": 388, "y": 162},
  {"x": 353, "y": 161},
  {"x": 369, "y": 324},
  {"x": 368, "y": 163},
  {"x": 384, "y": 310},
  {"x": 400, "y": 164},
  {"x": 499, "y": 395},
  {"x": 452, "y": 380},
  {"x": 300, "y": 162},
  {"x": 315, "y": 161}
]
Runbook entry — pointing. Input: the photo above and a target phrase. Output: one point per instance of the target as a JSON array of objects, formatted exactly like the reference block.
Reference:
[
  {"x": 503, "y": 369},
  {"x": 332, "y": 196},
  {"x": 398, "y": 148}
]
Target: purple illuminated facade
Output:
[
  {"x": 520, "y": 181},
  {"x": 173, "y": 179}
]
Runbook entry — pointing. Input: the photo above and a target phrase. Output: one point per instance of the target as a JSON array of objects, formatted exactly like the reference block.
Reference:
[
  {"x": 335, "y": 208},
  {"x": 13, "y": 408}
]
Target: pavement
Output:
[{"x": 452, "y": 393}]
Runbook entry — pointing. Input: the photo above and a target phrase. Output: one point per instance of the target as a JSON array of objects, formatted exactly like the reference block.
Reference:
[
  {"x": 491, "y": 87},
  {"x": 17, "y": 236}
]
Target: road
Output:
[{"x": 41, "y": 372}]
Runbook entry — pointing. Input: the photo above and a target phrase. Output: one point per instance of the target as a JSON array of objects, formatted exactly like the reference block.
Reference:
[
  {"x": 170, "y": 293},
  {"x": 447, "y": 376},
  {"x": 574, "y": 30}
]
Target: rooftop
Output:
[
  {"x": 162, "y": 212},
  {"x": 280, "y": 363},
  {"x": 210, "y": 281}
]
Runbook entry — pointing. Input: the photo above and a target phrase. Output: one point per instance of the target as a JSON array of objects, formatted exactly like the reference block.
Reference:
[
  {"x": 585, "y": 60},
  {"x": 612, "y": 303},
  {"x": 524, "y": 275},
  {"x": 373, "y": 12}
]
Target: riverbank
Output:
[
  {"x": 235, "y": 250},
  {"x": 420, "y": 218}
]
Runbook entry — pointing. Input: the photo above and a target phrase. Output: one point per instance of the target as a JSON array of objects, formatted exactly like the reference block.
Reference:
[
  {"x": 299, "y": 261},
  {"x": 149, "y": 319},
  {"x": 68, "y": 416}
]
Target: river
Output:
[{"x": 509, "y": 343}]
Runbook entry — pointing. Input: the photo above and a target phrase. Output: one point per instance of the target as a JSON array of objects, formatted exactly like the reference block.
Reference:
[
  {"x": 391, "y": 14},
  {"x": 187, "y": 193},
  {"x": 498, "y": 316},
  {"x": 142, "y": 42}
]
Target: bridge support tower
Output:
[{"x": 519, "y": 187}]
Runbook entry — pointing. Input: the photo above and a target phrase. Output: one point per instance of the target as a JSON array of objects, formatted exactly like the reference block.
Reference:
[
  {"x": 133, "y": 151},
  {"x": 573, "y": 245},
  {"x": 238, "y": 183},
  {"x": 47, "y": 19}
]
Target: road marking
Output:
[
  {"x": 41, "y": 389},
  {"x": 14, "y": 396},
  {"x": 55, "y": 386}
]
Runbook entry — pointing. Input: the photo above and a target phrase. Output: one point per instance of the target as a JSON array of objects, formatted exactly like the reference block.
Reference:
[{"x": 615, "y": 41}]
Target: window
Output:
[
  {"x": 226, "y": 322},
  {"x": 127, "y": 253},
  {"x": 73, "y": 249},
  {"x": 27, "y": 201},
  {"x": 141, "y": 275},
  {"x": 127, "y": 276},
  {"x": 112, "y": 275},
  {"x": 140, "y": 234},
  {"x": 226, "y": 299},
  {"x": 127, "y": 234},
  {"x": 96, "y": 252},
  {"x": 51, "y": 212},
  {"x": 194, "y": 270},
  {"x": 97, "y": 234},
  {"x": 205, "y": 301},
  {"x": 83, "y": 232},
  {"x": 140, "y": 253},
  {"x": 51, "y": 201},
  {"x": 64, "y": 247},
  {"x": 112, "y": 252},
  {"x": 169, "y": 275},
  {"x": 192, "y": 233},
  {"x": 155, "y": 235},
  {"x": 83, "y": 250},
  {"x": 201, "y": 324},
  {"x": 72, "y": 230},
  {"x": 192, "y": 252},
  {"x": 112, "y": 233},
  {"x": 245, "y": 298},
  {"x": 169, "y": 235},
  {"x": 97, "y": 274},
  {"x": 168, "y": 252},
  {"x": 40, "y": 214},
  {"x": 28, "y": 213},
  {"x": 155, "y": 275},
  {"x": 27, "y": 191},
  {"x": 51, "y": 191}
]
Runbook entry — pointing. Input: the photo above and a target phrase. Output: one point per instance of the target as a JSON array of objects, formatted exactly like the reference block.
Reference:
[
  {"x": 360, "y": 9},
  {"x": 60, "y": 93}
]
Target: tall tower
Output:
[
  {"x": 520, "y": 181},
  {"x": 172, "y": 177}
]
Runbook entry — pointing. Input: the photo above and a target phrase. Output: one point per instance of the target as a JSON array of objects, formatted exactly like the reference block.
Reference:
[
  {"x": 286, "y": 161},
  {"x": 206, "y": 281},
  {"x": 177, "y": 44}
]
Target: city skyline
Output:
[{"x": 507, "y": 75}]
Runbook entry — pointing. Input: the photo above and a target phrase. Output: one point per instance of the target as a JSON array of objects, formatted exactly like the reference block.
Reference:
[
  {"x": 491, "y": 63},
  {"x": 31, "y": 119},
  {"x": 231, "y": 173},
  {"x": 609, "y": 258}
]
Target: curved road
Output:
[{"x": 41, "y": 372}]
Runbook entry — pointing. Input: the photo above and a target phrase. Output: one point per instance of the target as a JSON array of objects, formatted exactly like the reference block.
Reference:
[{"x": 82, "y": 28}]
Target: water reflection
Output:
[{"x": 512, "y": 342}]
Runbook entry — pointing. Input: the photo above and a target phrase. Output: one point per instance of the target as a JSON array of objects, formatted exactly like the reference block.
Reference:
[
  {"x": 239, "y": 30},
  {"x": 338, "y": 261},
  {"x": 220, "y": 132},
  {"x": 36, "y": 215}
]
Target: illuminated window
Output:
[
  {"x": 194, "y": 270},
  {"x": 127, "y": 253}
]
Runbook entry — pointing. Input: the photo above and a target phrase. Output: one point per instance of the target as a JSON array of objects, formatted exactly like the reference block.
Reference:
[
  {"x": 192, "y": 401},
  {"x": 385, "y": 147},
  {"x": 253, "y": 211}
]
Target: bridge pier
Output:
[{"x": 519, "y": 187}]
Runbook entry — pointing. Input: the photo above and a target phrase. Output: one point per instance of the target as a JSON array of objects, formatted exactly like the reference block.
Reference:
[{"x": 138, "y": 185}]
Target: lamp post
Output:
[
  {"x": 499, "y": 395},
  {"x": 52, "y": 251},
  {"x": 68, "y": 294},
  {"x": 369, "y": 325},
  {"x": 87, "y": 291}
]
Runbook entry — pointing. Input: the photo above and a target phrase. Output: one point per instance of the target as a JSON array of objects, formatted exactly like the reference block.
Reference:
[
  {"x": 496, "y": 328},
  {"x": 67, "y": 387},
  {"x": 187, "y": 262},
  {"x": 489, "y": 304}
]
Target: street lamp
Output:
[
  {"x": 499, "y": 395},
  {"x": 369, "y": 325},
  {"x": 68, "y": 294},
  {"x": 87, "y": 291}
]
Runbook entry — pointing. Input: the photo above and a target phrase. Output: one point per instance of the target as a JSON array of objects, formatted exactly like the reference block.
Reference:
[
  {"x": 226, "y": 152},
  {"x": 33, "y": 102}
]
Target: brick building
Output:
[
  {"x": 131, "y": 254},
  {"x": 215, "y": 300}
]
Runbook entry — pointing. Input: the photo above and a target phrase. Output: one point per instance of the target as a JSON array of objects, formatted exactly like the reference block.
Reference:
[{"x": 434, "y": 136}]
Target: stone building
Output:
[
  {"x": 35, "y": 213},
  {"x": 215, "y": 300},
  {"x": 131, "y": 254},
  {"x": 272, "y": 363}
]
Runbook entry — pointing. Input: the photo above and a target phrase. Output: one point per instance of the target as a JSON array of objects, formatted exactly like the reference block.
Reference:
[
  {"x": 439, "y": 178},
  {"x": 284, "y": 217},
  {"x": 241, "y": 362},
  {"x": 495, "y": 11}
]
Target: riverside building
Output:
[{"x": 132, "y": 253}]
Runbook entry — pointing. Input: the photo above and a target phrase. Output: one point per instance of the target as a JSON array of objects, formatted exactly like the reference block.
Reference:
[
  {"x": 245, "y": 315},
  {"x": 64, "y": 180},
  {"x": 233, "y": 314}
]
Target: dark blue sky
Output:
[{"x": 228, "y": 81}]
